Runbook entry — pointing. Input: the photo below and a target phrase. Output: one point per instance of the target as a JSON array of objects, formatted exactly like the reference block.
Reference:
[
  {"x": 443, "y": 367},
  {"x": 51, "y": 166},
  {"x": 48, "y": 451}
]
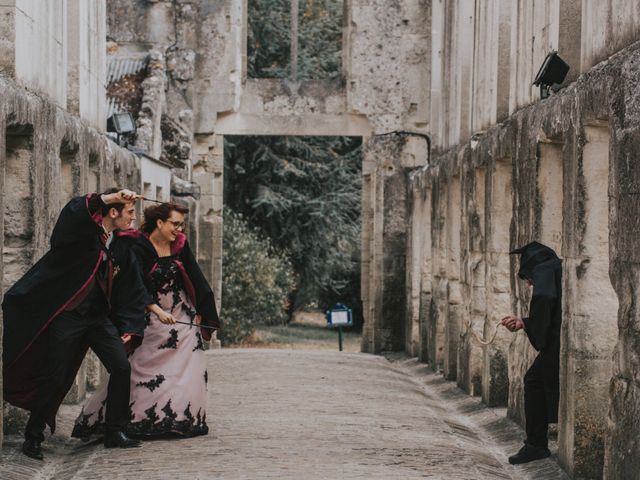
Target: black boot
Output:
[
  {"x": 119, "y": 439},
  {"x": 32, "y": 448},
  {"x": 529, "y": 453}
]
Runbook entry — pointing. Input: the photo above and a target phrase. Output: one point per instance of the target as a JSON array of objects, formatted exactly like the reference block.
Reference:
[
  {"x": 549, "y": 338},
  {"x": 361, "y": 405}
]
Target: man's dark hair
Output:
[{"x": 117, "y": 206}]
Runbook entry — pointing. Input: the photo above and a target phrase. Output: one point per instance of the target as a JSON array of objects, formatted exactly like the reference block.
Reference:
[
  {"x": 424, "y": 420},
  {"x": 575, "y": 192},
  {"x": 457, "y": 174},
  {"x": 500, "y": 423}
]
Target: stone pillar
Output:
[
  {"x": 590, "y": 309},
  {"x": 367, "y": 263},
  {"x": 570, "y": 36},
  {"x": 495, "y": 380},
  {"x": 33, "y": 45},
  {"x": 86, "y": 57},
  {"x": 473, "y": 282},
  {"x": 454, "y": 309},
  {"x": 426, "y": 273},
  {"x": 8, "y": 13},
  {"x": 438, "y": 305},
  {"x": 207, "y": 171},
  {"x": 386, "y": 304},
  {"x": 415, "y": 253}
]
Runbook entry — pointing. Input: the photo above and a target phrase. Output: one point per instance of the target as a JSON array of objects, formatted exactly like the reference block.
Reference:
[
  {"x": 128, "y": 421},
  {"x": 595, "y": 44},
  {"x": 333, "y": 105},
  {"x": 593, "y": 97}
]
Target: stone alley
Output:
[{"x": 308, "y": 415}]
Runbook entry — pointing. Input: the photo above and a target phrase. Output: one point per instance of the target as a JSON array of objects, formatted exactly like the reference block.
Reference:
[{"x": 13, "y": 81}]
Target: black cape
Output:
[
  {"x": 196, "y": 286},
  {"x": 62, "y": 274},
  {"x": 541, "y": 265}
]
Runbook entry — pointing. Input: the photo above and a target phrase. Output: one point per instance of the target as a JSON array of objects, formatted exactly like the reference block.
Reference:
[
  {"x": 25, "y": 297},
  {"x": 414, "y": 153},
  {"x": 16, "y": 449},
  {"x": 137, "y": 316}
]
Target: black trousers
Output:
[
  {"x": 67, "y": 333},
  {"x": 541, "y": 396}
]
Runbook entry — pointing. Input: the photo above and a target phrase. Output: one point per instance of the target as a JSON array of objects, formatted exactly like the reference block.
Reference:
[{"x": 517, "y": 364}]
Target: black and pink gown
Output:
[{"x": 168, "y": 370}]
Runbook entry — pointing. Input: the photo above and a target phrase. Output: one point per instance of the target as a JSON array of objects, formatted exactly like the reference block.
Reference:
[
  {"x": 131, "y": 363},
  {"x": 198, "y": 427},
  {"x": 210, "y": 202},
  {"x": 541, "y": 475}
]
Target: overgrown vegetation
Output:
[
  {"x": 257, "y": 279},
  {"x": 304, "y": 194}
]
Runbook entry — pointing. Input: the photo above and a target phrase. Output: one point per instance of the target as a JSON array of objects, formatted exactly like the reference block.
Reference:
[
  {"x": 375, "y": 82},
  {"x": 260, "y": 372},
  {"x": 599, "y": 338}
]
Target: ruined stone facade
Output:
[
  {"x": 501, "y": 168},
  {"x": 508, "y": 168}
]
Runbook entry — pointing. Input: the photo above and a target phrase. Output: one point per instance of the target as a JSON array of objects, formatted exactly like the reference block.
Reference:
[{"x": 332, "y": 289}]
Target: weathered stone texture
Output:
[{"x": 556, "y": 180}]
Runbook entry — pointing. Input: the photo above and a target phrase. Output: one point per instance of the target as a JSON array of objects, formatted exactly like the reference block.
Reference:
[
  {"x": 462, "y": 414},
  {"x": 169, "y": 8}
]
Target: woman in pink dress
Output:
[{"x": 168, "y": 370}]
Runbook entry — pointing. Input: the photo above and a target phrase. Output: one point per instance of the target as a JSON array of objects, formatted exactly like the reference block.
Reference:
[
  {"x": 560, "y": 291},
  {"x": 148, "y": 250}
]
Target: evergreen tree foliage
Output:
[
  {"x": 304, "y": 194},
  {"x": 319, "y": 39},
  {"x": 257, "y": 279},
  {"x": 269, "y": 38}
]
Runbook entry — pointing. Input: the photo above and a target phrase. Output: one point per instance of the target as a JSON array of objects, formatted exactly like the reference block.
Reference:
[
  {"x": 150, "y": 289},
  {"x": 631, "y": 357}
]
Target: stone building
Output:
[
  {"x": 508, "y": 168},
  {"x": 485, "y": 166}
]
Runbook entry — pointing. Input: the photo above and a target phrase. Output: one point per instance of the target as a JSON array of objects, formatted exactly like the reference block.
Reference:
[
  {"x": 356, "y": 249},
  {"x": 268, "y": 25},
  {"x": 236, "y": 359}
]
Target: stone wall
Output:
[
  {"x": 541, "y": 175},
  {"x": 537, "y": 175},
  {"x": 56, "y": 48},
  {"x": 48, "y": 156}
]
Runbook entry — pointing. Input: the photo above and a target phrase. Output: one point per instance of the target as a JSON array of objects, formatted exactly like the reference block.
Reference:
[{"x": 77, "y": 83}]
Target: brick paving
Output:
[{"x": 295, "y": 414}]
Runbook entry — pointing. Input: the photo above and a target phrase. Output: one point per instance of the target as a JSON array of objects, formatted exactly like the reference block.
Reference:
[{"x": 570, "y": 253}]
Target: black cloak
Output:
[
  {"x": 540, "y": 265},
  {"x": 194, "y": 281},
  {"x": 59, "y": 277}
]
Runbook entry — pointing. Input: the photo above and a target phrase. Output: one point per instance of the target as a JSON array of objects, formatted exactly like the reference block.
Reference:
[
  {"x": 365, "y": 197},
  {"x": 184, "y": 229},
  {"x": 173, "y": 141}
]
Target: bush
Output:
[{"x": 256, "y": 280}]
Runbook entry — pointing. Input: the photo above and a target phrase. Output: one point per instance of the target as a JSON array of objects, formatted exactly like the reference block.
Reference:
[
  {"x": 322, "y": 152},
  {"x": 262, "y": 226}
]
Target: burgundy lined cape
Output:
[{"x": 50, "y": 285}]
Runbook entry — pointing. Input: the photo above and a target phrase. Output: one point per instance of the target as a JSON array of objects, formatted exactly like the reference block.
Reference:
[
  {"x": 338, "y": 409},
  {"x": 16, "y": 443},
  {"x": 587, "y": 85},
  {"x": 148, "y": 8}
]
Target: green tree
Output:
[
  {"x": 319, "y": 39},
  {"x": 304, "y": 194},
  {"x": 256, "y": 282}
]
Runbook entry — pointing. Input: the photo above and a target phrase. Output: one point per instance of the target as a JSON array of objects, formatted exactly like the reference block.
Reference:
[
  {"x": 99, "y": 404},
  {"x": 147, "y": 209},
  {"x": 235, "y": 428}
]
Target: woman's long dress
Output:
[{"x": 168, "y": 370}]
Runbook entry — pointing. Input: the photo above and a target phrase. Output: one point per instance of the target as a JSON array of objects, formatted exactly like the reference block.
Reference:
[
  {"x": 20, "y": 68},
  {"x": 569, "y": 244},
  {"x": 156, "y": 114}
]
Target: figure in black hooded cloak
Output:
[
  {"x": 86, "y": 291},
  {"x": 540, "y": 267}
]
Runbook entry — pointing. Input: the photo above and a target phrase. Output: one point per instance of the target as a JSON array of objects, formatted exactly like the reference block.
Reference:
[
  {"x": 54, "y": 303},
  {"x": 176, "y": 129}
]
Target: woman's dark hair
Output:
[{"x": 162, "y": 212}]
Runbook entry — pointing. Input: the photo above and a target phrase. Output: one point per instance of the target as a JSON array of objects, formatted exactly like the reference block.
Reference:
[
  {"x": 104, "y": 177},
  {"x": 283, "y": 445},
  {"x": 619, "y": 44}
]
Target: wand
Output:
[
  {"x": 140, "y": 197},
  {"x": 194, "y": 325}
]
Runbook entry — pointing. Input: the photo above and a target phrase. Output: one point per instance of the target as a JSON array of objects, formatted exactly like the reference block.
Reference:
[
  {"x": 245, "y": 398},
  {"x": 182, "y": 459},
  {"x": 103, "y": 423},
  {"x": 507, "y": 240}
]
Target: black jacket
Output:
[
  {"x": 59, "y": 277},
  {"x": 541, "y": 265}
]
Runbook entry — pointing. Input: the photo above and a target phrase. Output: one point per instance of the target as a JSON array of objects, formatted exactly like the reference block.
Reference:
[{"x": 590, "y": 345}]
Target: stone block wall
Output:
[
  {"x": 558, "y": 171},
  {"x": 86, "y": 69}
]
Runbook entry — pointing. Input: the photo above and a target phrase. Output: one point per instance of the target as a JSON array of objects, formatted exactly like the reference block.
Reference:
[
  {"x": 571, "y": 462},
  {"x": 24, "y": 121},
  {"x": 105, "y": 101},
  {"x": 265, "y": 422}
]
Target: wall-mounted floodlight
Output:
[
  {"x": 121, "y": 123},
  {"x": 551, "y": 74}
]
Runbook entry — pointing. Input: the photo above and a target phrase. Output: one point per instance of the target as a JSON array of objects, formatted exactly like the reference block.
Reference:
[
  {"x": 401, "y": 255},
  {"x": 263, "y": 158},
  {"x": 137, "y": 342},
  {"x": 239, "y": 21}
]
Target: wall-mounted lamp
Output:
[
  {"x": 121, "y": 123},
  {"x": 551, "y": 74}
]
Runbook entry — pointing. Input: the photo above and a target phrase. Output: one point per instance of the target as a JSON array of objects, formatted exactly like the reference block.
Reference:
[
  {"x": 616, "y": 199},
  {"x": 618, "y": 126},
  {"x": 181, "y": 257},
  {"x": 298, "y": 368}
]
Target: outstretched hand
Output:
[
  {"x": 123, "y": 196},
  {"x": 512, "y": 323}
]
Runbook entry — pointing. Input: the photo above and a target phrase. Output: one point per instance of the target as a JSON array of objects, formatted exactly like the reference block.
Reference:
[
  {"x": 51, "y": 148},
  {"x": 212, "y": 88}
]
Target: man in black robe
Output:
[
  {"x": 86, "y": 291},
  {"x": 540, "y": 267}
]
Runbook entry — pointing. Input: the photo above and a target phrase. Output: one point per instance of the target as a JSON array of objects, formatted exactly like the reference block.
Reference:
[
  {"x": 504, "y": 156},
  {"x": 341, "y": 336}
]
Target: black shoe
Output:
[
  {"x": 120, "y": 440},
  {"x": 529, "y": 453},
  {"x": 33, "y": 449}
]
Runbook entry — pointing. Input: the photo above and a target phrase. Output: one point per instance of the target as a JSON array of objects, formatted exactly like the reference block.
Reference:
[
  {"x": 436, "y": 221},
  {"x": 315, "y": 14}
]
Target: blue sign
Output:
[{"x": 339, "y": 316}]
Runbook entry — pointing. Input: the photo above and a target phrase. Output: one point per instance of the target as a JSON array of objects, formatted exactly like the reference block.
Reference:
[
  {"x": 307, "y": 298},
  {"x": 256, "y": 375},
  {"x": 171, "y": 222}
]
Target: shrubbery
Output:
[{"x": 256, "y": 280}]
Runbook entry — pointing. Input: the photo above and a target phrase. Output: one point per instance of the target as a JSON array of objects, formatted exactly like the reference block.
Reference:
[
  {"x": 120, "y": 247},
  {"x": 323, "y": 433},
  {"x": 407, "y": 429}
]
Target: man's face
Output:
[{"x": 125, "y": 217}]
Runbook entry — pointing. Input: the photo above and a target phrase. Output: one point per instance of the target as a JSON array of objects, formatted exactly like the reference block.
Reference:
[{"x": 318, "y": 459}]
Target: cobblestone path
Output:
[{"x": 294, "y": 414}]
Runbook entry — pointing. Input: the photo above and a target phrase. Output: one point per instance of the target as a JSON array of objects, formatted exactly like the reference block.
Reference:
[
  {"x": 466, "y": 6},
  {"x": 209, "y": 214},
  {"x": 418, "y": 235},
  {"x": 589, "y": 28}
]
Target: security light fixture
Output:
[
  {"x": 122, "y": 124},
  {"x": 551, "y": 74}
]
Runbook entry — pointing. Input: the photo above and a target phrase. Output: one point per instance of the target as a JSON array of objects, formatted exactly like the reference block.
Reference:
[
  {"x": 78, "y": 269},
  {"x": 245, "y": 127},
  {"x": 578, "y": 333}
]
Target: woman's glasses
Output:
[{"x": 178, "y": 225}]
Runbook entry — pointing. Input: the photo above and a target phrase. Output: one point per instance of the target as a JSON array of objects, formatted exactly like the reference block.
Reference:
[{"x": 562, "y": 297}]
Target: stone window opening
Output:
[{"x": 295, "y": 39}]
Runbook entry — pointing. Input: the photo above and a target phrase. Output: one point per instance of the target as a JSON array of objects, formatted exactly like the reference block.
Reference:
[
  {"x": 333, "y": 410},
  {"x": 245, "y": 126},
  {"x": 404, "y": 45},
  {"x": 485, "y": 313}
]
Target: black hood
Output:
[{"x": 532, "y": 255}]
